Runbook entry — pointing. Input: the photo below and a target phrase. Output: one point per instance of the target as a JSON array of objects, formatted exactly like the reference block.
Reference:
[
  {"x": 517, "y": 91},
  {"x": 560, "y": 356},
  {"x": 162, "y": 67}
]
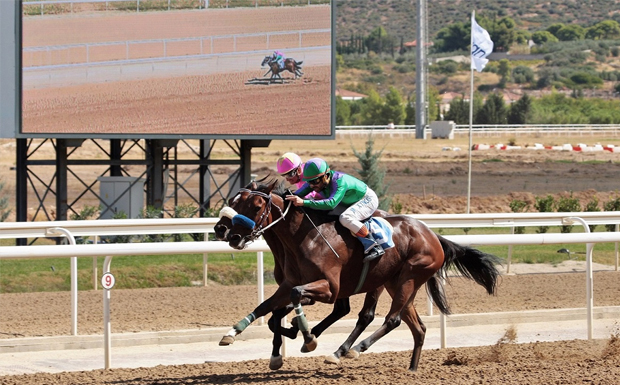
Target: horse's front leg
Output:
[
  {"x": 275, "y": 362},
  {"x": 317, "y": 291},
  {"x": 278, "y": 300}
]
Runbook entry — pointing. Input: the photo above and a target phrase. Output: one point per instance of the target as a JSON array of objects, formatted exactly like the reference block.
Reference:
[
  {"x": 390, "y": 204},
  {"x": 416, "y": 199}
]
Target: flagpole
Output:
[{"x": 471, "y": 116}]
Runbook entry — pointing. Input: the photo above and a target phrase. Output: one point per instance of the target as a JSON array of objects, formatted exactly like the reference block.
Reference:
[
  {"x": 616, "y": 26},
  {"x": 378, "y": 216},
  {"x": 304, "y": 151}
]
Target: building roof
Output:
[{"x": 349, "y": 95}]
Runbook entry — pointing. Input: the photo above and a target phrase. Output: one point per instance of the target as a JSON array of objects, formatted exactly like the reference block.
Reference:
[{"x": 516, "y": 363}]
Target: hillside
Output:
[{"x": 398, "y": 17}]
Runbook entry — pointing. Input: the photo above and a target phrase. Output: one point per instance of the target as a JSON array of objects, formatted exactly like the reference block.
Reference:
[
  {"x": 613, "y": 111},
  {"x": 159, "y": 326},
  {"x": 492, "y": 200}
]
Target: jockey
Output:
[
  {"x": 279, "y": 58},
  {"x": 290, "y": 166},
  {"x": 340, "y": 188}
]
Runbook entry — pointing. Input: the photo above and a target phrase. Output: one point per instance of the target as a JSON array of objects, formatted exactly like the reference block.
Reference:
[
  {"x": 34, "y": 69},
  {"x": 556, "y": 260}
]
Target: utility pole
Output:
[{"x": 420, "y": 73}]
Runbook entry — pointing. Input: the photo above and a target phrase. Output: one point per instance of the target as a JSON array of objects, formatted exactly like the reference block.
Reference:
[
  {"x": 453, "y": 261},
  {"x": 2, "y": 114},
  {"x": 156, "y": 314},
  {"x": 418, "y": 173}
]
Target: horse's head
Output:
[
  {"x": 249, "y": 213},
  {"x": 266, "y": 60}
]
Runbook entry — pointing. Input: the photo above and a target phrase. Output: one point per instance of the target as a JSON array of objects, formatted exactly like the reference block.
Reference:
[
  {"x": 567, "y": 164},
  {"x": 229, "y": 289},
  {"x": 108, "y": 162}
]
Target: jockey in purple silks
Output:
[
  {"x": 290, "y": 166},
  {"x": 279, "y": 58}
]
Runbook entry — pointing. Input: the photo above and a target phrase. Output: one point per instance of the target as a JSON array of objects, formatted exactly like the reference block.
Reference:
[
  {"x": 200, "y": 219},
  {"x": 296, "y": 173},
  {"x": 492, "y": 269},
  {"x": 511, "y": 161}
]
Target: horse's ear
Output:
[{"x": 273, "y": 185}]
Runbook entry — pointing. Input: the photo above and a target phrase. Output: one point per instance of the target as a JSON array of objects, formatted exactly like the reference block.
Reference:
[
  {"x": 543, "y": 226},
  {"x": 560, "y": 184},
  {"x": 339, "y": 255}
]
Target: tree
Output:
[
  {"x": 571, "y": 33},
  {"x": 542, "y": 37},
  {"x": 459, "y": 111},
  {"x": 370, "y": 113},
  {"x": 393, "y": 109},
  {"x": 504, "y": 71},
  {"x": 380, "y": 41},
  {"x": 4, "y": 204},
  {"x": 521, "y": 111},
  {"x": 493, "y": 111},
  {"x": 523, "y": 74},
  {"x": 606, "y": 29},
  {"x": 454, "y": 37},
  {"x": 410, "y": 110},
  {"x": 343, "y": 112},
  {"x": 372, "y": 173}
]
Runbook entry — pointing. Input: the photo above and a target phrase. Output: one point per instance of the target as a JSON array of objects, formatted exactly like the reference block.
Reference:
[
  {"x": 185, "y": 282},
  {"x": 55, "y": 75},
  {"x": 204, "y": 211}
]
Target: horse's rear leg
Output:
[
  {"x": 418, "y": 330},
  {"x": 366, "y": 316},
  {"x": 400, "y": 298}
]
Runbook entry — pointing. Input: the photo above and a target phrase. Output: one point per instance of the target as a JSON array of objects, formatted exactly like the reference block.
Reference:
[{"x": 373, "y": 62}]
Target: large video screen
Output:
[{"x": 253, "y": 69}]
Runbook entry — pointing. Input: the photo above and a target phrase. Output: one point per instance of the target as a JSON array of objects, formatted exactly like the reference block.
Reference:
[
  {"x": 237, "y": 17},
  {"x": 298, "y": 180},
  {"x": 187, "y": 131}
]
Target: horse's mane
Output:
[{"x": 264, "y": 185}]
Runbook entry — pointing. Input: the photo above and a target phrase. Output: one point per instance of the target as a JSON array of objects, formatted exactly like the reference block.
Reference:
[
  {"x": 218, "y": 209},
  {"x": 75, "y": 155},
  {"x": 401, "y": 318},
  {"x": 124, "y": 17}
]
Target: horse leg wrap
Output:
[
  {"x": 244, "y": 323},
  {"x": 302, "y": 322}
]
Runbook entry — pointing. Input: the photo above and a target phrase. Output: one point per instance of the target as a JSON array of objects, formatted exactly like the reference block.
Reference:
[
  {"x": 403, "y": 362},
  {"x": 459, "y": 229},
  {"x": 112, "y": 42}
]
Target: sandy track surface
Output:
[{"x": 568, "y": 362}]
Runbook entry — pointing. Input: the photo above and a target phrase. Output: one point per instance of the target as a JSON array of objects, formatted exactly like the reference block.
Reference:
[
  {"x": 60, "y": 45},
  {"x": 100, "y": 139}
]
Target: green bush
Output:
[
  {"x": 568, "y": 204},
  {"x": 592, "y": 206},
  {"x": 519, "y": 206},
  {"x": 544, "y": 205},
  {"x": 612, "y": 205}
]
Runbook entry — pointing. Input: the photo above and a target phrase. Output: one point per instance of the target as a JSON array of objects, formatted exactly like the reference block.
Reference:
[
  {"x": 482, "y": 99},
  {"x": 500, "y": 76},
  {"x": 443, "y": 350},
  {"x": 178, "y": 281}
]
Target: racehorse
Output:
[
  {"x": 323, "y": 262},
  {"x": 290, "y": 65},
  {"x": 341, "y": 308}
]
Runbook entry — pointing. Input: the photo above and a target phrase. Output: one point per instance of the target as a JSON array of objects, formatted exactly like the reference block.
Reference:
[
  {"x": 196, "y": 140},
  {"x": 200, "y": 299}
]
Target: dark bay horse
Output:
[
  {"x": 323, "y": 262},
  {"x": 290, "y": 65},
  {"x": 341, "y": 308}
]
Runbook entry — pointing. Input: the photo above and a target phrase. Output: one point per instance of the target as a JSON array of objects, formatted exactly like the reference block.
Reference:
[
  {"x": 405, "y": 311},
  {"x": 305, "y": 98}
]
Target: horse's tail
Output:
[
  {"x": 471, "y": 263},
  {"x": 298, "y": 63}
]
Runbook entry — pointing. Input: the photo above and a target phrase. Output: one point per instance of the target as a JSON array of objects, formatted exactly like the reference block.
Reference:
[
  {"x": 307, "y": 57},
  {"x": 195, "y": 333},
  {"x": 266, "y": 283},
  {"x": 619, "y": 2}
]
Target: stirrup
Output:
[{"x": 373, "y": 254}]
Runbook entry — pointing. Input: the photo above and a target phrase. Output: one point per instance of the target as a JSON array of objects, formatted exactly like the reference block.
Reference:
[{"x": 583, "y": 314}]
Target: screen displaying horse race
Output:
[{"x": 224, "y": 69}]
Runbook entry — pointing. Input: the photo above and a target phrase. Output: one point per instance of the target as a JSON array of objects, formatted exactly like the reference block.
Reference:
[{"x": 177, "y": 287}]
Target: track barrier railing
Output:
[{"x": 71, "y": 229}]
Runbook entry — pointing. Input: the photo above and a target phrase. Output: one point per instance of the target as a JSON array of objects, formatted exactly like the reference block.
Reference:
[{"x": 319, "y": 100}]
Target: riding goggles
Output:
[
  {"x": 291, "y": 174},
  {"x": 315, "y": 181}
]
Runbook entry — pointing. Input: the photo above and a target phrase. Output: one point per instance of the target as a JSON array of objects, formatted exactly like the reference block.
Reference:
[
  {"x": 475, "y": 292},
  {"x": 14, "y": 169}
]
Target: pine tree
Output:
[{"x": 372, "y": 173}]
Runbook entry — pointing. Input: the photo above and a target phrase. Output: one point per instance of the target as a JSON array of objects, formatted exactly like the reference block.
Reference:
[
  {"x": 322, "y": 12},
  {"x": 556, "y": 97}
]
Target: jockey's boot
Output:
[{"x": 372, "y": 250}]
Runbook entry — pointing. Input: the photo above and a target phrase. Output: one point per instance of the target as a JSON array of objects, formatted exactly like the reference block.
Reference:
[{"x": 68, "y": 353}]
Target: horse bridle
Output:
[{"x": 257, "y": 228}]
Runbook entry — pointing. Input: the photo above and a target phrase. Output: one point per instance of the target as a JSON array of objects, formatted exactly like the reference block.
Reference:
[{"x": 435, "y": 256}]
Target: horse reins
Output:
[{"x": 258, "y": 229}]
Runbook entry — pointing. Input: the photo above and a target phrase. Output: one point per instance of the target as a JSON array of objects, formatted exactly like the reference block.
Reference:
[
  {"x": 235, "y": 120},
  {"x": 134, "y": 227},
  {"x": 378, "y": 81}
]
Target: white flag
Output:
[{"x": 481, "y": 45}]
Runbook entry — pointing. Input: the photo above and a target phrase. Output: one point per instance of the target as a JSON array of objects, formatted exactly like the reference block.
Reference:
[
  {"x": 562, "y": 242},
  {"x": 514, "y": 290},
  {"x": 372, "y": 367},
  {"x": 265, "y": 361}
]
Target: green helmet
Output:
[{"x": 315, "y": 168}]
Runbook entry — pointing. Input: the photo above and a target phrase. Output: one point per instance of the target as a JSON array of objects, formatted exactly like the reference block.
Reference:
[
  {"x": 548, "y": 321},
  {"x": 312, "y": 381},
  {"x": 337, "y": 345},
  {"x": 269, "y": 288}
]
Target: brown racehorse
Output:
[
  {"x": 323, "y": 262},
  {"x": 341, "y": 308},
  {"x": 290, "y": 65}
]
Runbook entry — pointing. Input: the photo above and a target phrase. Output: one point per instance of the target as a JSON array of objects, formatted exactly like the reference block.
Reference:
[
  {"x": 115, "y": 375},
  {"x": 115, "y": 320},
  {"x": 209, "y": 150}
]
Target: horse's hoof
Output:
[
  {"x": 310, "y": 346},
  {"x": 332, "y": 359},
  {"x": 352, "y": 354},
  {"x": 227, "y": 340},
  {"x": 275, "y": 362}
]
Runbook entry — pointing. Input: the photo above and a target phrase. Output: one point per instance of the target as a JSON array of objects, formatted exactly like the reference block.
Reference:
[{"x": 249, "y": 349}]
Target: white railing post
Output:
[
  {"x": 205, "y": 260},
  {"x": 616, "y": 246},
  {"x": 107, "y": 329},
  {"x": 95, "y": 241},
  {"x": 589, "y": 277},
  {"x": 74, "y": 282},
  {"x": 512, "y": 231}
]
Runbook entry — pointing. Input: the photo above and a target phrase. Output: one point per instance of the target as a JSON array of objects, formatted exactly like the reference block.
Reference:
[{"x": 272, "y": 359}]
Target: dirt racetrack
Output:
[{"x": 568, "y": 362}]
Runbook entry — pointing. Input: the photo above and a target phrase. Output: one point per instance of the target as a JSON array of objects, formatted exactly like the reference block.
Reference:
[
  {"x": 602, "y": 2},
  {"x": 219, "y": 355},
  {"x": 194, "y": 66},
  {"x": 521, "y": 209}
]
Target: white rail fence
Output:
[
  {"x": 201, "y": 4},
  {"x": 488, "y": 130},
  {"x": 130, "y": 51},
  {"x": 71, "y": 229}
]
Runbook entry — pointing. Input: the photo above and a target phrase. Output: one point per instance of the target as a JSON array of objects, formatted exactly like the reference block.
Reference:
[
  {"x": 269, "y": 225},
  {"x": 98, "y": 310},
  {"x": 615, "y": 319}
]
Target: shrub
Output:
[
  {"x": 568, "y": 204},
  {"x": 544, "y": 205},
  {"x": 519, "y": 206},
  {"x": 592, "y": 206},
  {"x": 612, "y": 205}
]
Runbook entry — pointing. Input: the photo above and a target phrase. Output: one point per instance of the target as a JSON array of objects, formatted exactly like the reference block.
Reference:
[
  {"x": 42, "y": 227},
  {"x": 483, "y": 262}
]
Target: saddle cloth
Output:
[{"x": 381, "y": 231}]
